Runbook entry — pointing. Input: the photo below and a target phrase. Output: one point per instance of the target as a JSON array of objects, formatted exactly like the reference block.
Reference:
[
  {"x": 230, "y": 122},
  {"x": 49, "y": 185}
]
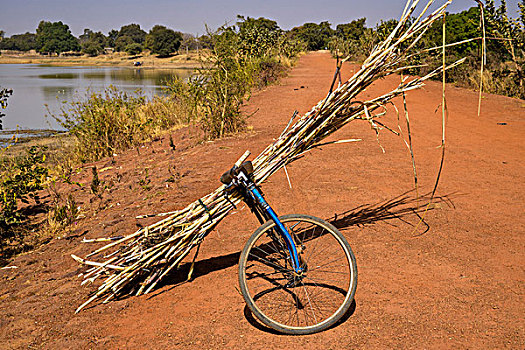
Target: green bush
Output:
[
  {"x": 239, "y": 59},
  {"x": 504, "y": 71},
  {"x": 163, "y": 41},
  {"x": 21, "y": 178},
  {"x": 133, "y": 49}
]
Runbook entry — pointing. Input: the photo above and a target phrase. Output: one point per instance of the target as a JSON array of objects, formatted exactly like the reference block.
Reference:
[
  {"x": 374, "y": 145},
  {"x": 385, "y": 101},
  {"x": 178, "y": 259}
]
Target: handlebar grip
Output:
[{"x": 227, "y": 177}]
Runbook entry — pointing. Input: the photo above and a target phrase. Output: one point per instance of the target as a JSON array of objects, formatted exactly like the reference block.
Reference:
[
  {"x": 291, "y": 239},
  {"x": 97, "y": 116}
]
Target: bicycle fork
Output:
[{"x": 290, "y": 244}]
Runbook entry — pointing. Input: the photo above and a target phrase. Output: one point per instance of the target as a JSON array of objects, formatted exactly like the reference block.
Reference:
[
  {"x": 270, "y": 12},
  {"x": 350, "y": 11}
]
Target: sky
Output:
[{"x": 191, "y": 16}]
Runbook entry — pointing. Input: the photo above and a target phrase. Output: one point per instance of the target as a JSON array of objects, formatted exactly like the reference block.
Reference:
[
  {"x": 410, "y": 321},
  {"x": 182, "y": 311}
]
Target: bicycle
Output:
[{"x": 297, "y": 273}]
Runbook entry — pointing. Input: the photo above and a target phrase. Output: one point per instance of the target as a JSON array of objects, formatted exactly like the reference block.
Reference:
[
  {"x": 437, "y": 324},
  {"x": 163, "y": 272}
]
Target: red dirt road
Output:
[{"x": 458, "y": 285}]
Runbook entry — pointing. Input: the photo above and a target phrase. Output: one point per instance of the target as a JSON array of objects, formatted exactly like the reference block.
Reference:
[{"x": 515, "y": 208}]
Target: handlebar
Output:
[{"x": 245, "y": 167}]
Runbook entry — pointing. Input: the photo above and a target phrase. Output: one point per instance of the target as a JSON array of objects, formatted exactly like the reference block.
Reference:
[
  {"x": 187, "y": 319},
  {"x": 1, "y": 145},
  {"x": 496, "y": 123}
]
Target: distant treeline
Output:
[{"x": 56, "y": 38}]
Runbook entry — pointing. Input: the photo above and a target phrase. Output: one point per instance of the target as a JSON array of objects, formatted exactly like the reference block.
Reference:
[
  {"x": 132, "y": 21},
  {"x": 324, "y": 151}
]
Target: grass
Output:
[{"x": 112, "y": 121}]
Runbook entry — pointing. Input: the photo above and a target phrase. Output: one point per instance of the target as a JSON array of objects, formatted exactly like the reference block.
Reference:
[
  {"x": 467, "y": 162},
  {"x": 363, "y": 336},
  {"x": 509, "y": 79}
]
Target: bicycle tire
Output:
[{"x": 285, "y": 303}]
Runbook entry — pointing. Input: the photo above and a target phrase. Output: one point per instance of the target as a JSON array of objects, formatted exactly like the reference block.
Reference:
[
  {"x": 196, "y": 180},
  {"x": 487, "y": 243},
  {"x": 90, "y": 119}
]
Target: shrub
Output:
[
  {"x": 133, "y": 49},
  {"x": 163, "y": 41},
  {"x": 21, "y": 178},
  {"x": 269, "y": 72},
  {"x": 112, "y": 121},
  {"x": 238, "y": 59}
]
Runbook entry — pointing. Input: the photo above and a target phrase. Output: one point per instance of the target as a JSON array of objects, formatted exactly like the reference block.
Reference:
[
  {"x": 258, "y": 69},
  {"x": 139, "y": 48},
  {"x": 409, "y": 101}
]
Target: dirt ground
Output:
[{"x": 456, "y": 283}]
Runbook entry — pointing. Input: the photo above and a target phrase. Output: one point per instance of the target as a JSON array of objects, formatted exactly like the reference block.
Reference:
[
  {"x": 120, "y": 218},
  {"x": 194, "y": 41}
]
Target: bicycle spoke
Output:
[
  {"x": 281, "y": 268},
  {"x": 326, "y": 264},
  {"x": 268, "y": 262},
  {"x": 309, "y": 301},
  {"x": 299, "y": 303},
  {"x": 328, "y": 271}
]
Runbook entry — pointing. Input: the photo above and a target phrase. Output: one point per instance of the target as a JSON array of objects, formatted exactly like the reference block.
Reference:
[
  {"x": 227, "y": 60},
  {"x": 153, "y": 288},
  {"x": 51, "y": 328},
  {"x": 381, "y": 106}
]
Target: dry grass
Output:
[
  {"x": 184, "y": 60},
  {"x": 112, "y": 121}
]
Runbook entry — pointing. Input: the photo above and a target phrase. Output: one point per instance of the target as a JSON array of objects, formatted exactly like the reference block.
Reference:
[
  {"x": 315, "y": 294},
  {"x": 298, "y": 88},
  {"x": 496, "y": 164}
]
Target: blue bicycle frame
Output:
[{"x": 270, "y": 213}]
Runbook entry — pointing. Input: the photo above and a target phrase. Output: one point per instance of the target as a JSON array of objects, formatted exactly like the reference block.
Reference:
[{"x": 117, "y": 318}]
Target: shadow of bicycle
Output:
[{"x": 406, "y": 208}]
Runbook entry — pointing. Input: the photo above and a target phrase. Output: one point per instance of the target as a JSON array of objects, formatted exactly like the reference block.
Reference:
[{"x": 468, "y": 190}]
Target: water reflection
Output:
[
  {"x": 99, "y": 75},
  {"x": 59, "y": 76},
  {"x": 35, "y": 86},
  {"x": 58, "y": 92}
]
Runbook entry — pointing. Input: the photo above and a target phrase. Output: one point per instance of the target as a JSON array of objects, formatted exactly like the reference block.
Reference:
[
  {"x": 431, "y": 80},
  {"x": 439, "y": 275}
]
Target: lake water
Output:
[{"x": 35, "y": 86}]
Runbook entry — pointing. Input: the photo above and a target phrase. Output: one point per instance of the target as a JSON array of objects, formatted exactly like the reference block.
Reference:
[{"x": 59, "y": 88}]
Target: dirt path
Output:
[{"x": 459, "y": 285}]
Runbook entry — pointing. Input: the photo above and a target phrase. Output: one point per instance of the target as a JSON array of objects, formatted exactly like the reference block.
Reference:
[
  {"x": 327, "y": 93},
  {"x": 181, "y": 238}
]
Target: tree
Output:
[
  {"x": 19, "y": 42},
  {"x": 128, "y": 34},
  {"x": 134, "y": 32},
  {"x": 122, "y": 42},
  {"x": 92, "y": 43},
  {"x": 384, "y": 29},
  {"x": 204, "y": 41},
  {"x": 189, "y": 42},
  {"x": 316, "y": 36},
  {"x": 351, "y": 31},
  {"x": 55, "y": 37},
  {"x": 512, "y": 47},
  {"x": 112, "y": 36},
  {"x": 258, "y": 36},
  {"x": 261, "y": 23},
  {"x": 163, "y": 41},
  {"x": 2, "y": 33},
  {"x": 133, "y": 49},
  {"x": 82, "y": 38}
]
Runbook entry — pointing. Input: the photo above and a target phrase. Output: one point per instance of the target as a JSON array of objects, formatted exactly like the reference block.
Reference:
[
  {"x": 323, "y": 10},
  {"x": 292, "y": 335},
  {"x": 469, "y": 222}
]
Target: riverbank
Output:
[
  {"x": 21, "y": 140},
  {"x": 120, "y": 59}
]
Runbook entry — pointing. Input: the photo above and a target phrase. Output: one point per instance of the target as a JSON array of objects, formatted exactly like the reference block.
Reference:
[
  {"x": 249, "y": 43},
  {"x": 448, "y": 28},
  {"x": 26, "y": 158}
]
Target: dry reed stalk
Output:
[
  {"x": 139, "y": 261},
  {"x": 483, "y": 53}
]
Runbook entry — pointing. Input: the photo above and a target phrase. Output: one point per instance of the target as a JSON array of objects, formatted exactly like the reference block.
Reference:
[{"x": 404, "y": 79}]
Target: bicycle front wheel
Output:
[{"x": 294, "y": 303}]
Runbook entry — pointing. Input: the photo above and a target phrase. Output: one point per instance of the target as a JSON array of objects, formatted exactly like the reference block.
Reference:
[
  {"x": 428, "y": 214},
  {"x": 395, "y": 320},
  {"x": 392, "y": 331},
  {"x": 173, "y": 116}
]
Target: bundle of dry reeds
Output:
[{"x": 137, "y": 262}]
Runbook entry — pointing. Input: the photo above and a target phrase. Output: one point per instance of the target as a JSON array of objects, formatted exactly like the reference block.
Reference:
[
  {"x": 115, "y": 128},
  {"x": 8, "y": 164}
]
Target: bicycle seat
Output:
[{"x": 246, "y": 168}]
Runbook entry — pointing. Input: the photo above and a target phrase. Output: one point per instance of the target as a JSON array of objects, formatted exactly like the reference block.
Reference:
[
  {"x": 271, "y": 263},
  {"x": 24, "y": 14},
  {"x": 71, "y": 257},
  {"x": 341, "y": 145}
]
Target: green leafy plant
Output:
[
  {"x": 55, "y": 37},
  {"x": 21, "y": 179},
  {"x": 133, "y": 49},
  {"x": 504, "y": 68},
  {"x": 163, "y": 41},
  {"x": 239, "y": 58},
  {"x": 145, "y": 182}
]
